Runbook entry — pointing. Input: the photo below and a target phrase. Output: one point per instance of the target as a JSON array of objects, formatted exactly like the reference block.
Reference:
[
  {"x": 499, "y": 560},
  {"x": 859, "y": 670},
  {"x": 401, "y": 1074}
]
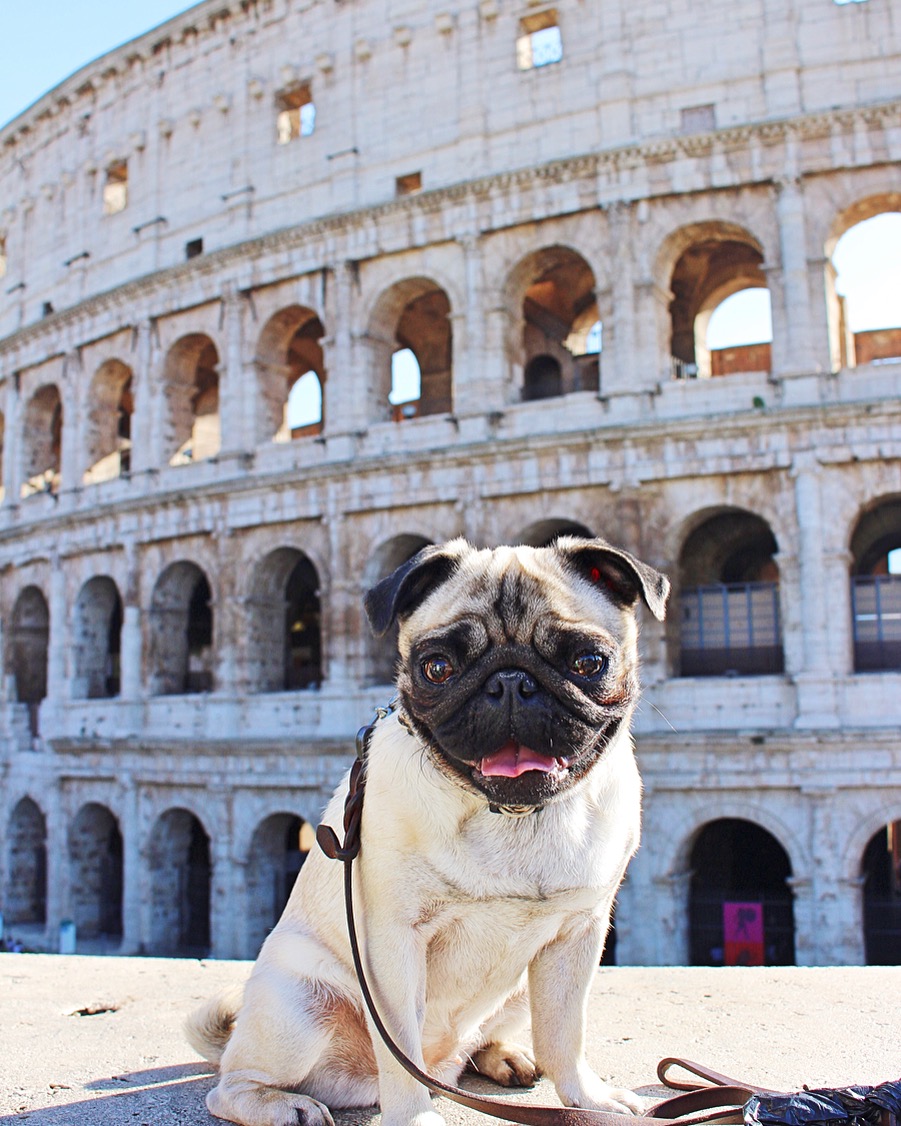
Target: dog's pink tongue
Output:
[{"x": 514, "y": 759}]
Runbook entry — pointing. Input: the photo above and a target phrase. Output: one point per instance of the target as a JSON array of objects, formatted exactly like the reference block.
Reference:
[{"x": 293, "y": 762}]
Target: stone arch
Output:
[
  {"x": 740, "y": 898},
  {"x": 278, "y": 849},
  {"x": 880, "y": 870},
  {"x": 96, "y": 872},
  {"x": 551, "y": 295},
  {"x": 703, "y": 264},
  {"x": 285, "y": 623},
  {"x": 97, "y": 639},
  {"x": 181, "y": 631},
  {"x": 728, "y": 583},
  {"x": 414, "y": 314},
  {"x": 28, "y": 649},
  {"x": 25, "y": 900},
  {"x": 42, "y": 437},
  {"x": 180, "y": 885},
  {"x": 876, "y": 586},
  {"x": 191, "y": 390},
  {"x": 289, "y": 346},
  {"x": 543, "y": 532},
  {"x": 108, "y": 422},
  {"x": 382, "y": 651},
  {"x": 848, "y": 348}
]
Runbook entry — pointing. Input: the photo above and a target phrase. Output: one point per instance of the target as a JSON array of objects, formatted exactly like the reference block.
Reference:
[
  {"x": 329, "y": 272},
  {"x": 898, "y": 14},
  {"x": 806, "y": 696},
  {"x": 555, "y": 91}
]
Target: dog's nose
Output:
[{"x": 507, "y": 684}]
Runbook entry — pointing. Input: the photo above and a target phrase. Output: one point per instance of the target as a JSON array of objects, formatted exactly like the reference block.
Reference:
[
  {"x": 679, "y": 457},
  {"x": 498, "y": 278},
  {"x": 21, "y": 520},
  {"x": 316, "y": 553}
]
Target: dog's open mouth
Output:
[{"x": 513, "y": 759}]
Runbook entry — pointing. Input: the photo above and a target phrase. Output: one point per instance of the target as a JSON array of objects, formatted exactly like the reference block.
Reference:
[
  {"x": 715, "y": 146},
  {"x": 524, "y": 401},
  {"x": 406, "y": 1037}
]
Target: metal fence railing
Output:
[
  {"x": 731, "y": 629},
  {"x": 876, "y": 613}
]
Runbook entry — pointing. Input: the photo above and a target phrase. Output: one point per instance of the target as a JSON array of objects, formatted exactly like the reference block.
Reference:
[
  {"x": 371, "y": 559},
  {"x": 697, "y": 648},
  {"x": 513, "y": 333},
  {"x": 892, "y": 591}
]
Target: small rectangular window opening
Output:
[
  {"x": 296, "y": 113},
  {"x": 539, "y": 42},
  {"x": 194, "y": 248},
  {"x": 698, "y": 119},
  {"x": 409, "y": 184},
  {"x": 115, "y": 188}
]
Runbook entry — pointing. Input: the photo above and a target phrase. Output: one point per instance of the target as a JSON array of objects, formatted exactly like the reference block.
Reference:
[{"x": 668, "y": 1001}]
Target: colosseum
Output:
[{"x": 263, "y": 336}]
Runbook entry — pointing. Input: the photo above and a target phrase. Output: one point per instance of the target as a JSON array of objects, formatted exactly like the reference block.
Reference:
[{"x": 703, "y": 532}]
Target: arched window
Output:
[
  {"x": 383, "y": 650},
  {"x": 95, "y": 865},
  {"x": 192, "y": 400},
  {"x": 285, "y": 623},
  {"x": 290, "y": 368},
  {"x": 43, "y": 428},
  {"x": 25, "y": 895},
  {"x": 740, "y": 902},
  {"x": 730, "y": 620},
  {"x": 739, "y": 333},
  {"x": 180, "y": 883},
  {"x": 881, "y": 871},
  {"x": 876, "y": 588},
  {"x": 544, "y": 532},
  {"x": 863, "y": 284},
  {"x": 110, "y": 407},
  {"x": 279, "y": 847},
  {"x": 553, "y": 292},
  {"x": 303, "y": 412},
  {"x": 98, "y": 632},
  {"x": 28, "y": 650},
  {"x": 181, "y": 632}
]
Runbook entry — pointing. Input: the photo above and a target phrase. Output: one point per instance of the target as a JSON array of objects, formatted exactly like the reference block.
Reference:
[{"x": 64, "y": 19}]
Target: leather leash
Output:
[{"x": 719, "y": 1102}]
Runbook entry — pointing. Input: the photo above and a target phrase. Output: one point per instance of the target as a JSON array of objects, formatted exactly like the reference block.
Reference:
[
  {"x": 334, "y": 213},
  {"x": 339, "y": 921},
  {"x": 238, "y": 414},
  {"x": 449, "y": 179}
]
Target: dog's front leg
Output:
[
  {"x": 397, "y": 957},
  {"x": 560, "y": 978}
]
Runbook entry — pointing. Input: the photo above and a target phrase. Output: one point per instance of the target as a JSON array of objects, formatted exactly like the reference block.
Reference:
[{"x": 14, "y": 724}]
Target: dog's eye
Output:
[
  {"x": 589, "y": 665},
  {"x": 437, "y": 669}
]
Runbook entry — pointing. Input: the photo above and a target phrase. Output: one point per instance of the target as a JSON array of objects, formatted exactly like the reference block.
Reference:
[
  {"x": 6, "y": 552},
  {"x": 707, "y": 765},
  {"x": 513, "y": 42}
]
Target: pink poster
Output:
[{"x": 743, "y": 934}]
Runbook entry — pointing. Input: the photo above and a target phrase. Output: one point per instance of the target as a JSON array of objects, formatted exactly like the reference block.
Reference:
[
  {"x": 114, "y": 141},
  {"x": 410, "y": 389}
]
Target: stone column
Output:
[
  {"x": 479, "y": 368},
  {"x": 12, "y": 441},
  {"x": 793, "y": 350},
  {"x": 650, "y": 347},
  {"x": 224, "y": 918},
  {"x": 237, "y": 397},
  {"x": 130, "y": 648},
  {"x": 346, "y": 393},
  {"x": 72, "y": 454},
  {"x": 131, "y": 862},
  {"x": 618, "y": 356},
  {"x": 146, "y": 423},
  {"x": 817, "y": 705},
  {"x": 59, "y": 641}
]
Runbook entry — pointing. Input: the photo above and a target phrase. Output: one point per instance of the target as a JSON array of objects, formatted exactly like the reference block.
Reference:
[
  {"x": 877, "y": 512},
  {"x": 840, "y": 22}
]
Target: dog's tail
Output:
[{"x": 209, "y": 1027}]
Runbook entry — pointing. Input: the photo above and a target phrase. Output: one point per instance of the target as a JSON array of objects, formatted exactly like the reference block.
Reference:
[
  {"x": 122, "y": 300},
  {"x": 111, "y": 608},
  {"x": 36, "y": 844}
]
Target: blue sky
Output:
[{"x": 44, "y": 41}]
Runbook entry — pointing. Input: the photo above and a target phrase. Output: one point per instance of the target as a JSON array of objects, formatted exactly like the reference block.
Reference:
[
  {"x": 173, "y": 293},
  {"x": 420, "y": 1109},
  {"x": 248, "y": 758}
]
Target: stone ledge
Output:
[{"x": 124, "y": 1060}]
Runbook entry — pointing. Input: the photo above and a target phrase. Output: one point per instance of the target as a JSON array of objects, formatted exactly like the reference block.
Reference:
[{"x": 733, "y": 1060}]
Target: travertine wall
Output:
[{"x": 669, "y": 147}]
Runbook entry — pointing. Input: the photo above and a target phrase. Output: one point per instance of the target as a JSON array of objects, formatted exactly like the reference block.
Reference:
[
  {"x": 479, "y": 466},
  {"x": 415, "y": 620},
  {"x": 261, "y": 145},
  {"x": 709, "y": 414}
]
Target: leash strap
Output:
[{"x": 720, "y": 1102}]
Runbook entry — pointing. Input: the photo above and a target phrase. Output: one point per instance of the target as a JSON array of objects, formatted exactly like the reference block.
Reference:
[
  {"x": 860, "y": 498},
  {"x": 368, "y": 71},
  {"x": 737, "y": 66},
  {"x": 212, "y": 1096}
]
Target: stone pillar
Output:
[
  {"x": 650, "y": 349},
  {"x": 345, "y": 395},
  {"x": 794, "y": 352},
  {"x": 236, "y": 398},
  {"x": 817, "y": 705},
  {"x": 224, "y": 918},
  {"x": 59, "y": 641},
  {"x": 131, "y": 860},
  {"x": 228, "y": 626},
  {"x": 502, "y": 375},
  {"x": 146, "y": 423},
  {"x": 12, "y": 441},
  {"x": 618, "y": 356},
  {"x": 479, "y": 371},
  {"x": 131, "y": 647},
  {"x": 73, "y": 444}
]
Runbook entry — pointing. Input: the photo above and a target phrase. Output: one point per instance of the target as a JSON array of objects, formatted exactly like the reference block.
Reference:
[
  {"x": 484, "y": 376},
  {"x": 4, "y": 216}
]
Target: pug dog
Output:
[{"x": 502, "y": 806}]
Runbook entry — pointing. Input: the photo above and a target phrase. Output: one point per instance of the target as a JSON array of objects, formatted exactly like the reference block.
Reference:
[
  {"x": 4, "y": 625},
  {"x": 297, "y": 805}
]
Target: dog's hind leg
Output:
[
  {"x": 297, "y": 1048},
  {"x": 502, "y": 1054}
]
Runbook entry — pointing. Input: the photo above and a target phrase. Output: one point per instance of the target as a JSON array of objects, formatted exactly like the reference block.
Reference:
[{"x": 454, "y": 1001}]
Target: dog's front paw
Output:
[
  {"x": 592, "y": 1093},
  {"x": 507, "y": 1064}
]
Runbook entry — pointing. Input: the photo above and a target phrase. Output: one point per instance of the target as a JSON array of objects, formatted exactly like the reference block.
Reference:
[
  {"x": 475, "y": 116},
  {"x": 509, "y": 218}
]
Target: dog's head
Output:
[{"x": 518, "y": 666}]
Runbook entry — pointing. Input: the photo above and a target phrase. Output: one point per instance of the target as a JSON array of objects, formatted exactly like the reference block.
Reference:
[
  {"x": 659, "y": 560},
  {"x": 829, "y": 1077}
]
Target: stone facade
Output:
[{"x": 185, "y": 656}]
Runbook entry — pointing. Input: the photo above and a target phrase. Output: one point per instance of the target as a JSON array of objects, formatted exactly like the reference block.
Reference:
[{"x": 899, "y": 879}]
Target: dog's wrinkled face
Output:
[{"x": 517, "y": 666}]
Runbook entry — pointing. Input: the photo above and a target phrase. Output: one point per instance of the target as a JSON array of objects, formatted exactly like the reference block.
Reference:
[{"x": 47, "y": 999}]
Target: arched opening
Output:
[
  {"x": 180, "y": 881},
  {"x": 95, "y": 869},
  {"x": 98, "y": 639},
  {"x": 553, "y": 291},
  {"x": 717, "y": 261},
  {"x": 730, "y": 620},
  {"x": 382, "y": 655},
  {"x": 279, "y": 847},
  {"x": 881, "y": 871},
  {"x": 412, "y": 337},
  {"x": 740, "y": 902},
  {"x": 739, "y": 333},
  {"x": 42, "y": 433},
  {"x": 110, "y": 409},
  {"x": 291, "y": 372},
  {"x": 285, "y": 623},
  {"x": 28, "y": 646},
  {"x": 544, "y": 532},
  {"x": 191, "y": 381},
  {"x": 25, "y": 896},
  {"x": 181, "y": 632},
  {"x": 863, "y": 284},
  {"x": 876, "y": 588}
]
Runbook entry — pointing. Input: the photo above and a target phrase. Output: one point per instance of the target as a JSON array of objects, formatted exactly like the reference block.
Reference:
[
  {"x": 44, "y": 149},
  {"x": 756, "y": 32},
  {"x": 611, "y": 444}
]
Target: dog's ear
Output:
[
  {"x": 621, "y": 574},
  {"x": 404, "y": 589}
]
